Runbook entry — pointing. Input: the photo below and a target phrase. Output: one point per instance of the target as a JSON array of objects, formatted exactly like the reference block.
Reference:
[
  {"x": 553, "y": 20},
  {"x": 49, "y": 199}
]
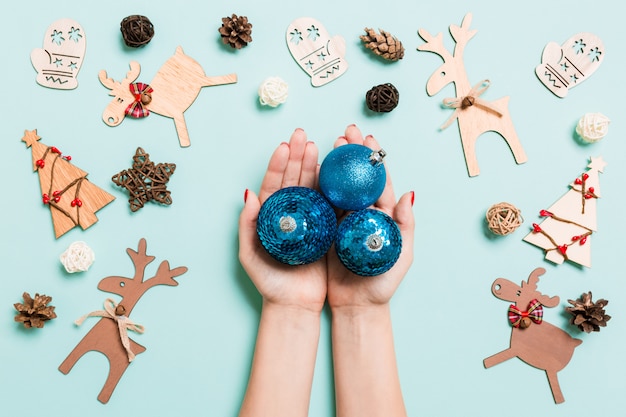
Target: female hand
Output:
[
  {"x": 346, "y": 289},
  {"x": 291, "y": 164}
]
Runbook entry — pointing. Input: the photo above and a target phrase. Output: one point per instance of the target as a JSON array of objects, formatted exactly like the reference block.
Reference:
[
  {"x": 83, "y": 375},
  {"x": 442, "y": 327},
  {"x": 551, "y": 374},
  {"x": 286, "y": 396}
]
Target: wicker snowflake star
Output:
[{"x": 145, "y": 181}]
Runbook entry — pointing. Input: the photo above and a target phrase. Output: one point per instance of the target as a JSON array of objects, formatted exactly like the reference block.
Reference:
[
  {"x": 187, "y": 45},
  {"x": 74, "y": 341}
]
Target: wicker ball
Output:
[
  {"x": 503, "y": 218},
  {"x": 136, "y": 30},
  {"x": 382, "y": 98},
  {"x": 592, "y": 127}
]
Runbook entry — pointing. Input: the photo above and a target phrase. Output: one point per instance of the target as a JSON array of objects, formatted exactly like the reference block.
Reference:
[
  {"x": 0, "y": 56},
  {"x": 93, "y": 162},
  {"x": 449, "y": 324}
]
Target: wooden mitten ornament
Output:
[
  {"x": 72, "y": 198},
  {"x": 174, "y": 88},
  {"x": 318, "y": 54},
  {"x": 565, "y": 66},
  {"x": 475, "y": 115},
  {"x": 565, "y": 233},
  {"x": 59, "y": 60},
  {"x": 533, "y": 340},
  {"x": 109, "y": 336}
]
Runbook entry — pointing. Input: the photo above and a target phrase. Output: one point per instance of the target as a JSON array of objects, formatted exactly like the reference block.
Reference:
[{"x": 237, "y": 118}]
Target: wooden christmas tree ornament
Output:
[
  {"x": 565, "y": 66},
  {"x": 533, "y": 340},
  {"x": 475, "y": 115},
  {"x": 318, "y": 54},
  {"x": 109, "y": 336},
  {"x": 174, "y": 88},
  {"x": 61, "y": 57},
  {"x": 72, "y": 198},
  {"x": 565, "y": 233}
]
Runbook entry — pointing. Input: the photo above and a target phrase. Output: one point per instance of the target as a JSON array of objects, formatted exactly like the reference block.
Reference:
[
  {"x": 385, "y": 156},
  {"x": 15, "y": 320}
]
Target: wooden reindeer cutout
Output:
[
  {"x": 536, "y": 342},
  {"x": 173, "y": 89},
  {"x": 109, "y": 336},
  {"x": 475, "y": 116}
]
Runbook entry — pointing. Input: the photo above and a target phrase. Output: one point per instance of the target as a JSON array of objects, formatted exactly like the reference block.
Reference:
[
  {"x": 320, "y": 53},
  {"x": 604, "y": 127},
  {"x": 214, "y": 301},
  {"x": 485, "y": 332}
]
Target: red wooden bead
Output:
[
  {"x": 545, "y": 213},
  {"x": 575, "y": 238},
  {"x": 588, "y": 196},
  {"x": 578, "y": 181},
  {"x": 40, "y": 163},
  {"x": 585, "y": 176},
  {"x": 563, "y": 249},
  {"x": 76, "y": 202},
  {"x": 45, "y": 198},
  {"x": 67, "y": 158},
  {"x": 536, "y": 228},
  {"x": 583, "y": 240},
  {"x": 591, "y": 189},
  {"x": 54, "y": 149}
]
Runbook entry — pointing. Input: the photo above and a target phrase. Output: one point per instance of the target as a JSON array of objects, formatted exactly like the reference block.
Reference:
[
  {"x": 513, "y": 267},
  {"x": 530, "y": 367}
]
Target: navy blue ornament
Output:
[
  {"x": 352, "y": 176},
  {"x": 296, "y": 225},
  {"x": 368, "y": 242}
]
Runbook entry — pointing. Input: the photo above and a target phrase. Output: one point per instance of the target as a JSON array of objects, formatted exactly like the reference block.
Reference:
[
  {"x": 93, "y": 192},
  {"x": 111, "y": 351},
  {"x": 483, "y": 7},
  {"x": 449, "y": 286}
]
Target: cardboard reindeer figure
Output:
[
  {"x": 475, "y": 116},
  {"x": 536, "y": 342},
  {"x": 109, "y": 335},
  {"x": 174, "y": 88}
]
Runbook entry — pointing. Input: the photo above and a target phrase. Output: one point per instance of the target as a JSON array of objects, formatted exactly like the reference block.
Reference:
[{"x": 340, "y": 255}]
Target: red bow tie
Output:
[
  {"x": 534, "y": 312},
  {"x": 137, "y": 108}
]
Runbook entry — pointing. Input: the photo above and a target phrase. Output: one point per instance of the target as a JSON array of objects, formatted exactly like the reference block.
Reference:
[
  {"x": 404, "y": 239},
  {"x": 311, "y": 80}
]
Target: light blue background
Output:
[{"x": 200, "y": 335}]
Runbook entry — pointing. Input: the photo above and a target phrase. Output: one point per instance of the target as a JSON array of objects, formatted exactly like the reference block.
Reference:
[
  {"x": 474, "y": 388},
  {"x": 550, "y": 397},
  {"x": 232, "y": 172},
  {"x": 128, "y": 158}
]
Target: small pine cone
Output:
[
  {"x": 384, "y": 44},
  {"x": 236, "y": 31},
  {"x": 34, "y": 312},
  {"x": 587, "y": 315}
]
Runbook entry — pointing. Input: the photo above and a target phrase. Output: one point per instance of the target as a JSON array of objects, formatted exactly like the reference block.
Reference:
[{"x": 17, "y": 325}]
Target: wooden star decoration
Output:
[{"x": 145, "y": 181}]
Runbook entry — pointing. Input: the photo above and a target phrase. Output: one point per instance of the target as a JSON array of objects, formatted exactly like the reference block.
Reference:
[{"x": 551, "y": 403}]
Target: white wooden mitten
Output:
[
  {"x": 564, "y": 67},
  {"x": 318, "y": 54},
  {"x": 61, "y": 57}
]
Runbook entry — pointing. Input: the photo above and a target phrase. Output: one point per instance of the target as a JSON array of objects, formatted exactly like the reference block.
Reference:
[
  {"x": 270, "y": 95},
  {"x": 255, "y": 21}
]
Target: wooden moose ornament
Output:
[
  {"x": 109, "y": 335},
  {"x": 72, "y": 198},
  {"x": 533, "y": 340},
  {"x": 475, "y": 115},
  {"x": 565, "y": 66},
  {"x": 174, "y": 88}
]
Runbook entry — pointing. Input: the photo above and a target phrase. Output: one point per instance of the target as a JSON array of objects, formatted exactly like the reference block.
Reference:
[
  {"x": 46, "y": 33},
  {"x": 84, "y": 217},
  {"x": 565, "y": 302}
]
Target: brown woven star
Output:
[
  {"x": 145, "y": 181},
  {"x": 34, "y": 311}
]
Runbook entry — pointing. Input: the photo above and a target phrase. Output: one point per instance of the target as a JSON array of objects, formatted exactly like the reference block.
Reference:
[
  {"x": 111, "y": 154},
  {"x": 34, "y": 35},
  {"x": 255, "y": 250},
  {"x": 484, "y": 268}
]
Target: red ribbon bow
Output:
[
  {"x": 534, "y": 312},
  {"x": 137, "y": 108}
]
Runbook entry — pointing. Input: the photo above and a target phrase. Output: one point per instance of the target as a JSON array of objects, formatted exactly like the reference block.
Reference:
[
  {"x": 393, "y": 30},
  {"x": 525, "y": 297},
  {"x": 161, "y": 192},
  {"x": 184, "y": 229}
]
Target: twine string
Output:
[
  {"x": 123, "y": 323},
  {"x": 471, "y": 100}
]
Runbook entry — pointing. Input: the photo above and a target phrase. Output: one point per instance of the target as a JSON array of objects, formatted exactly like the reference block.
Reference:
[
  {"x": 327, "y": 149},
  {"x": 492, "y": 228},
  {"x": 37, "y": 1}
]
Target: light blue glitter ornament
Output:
[
  {"x": 368, "y": 242},
  {"x": 296, "y": 225},
  {"x": 352, "y": 176}
]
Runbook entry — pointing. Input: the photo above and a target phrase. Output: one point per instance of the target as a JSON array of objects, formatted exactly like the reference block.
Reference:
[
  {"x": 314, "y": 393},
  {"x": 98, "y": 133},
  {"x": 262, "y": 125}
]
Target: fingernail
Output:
[
  {"x": 284, "y": 143},
  {"x": 341, "y": 137},
  {"x": 369, "y": 137},
  {"x": 412, "y": 197},
  {"x": 299, "y": 128},
  {"x": 352, "y": 125},
  {"x": 245, "y": 195}
]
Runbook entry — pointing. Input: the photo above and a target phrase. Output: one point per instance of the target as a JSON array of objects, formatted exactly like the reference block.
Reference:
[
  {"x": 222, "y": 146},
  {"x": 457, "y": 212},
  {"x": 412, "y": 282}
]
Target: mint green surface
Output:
[{"x": 200, "y": 335}]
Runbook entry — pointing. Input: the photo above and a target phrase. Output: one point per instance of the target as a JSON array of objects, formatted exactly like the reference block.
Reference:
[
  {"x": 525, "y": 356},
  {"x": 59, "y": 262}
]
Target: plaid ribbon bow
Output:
[
  {"x": 137, "y": 108},
  {"x": 534, "y": 312}
]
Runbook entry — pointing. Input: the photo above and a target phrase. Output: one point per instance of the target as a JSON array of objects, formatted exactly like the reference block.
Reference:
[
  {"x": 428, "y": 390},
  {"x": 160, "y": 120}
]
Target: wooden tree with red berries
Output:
[
  {"x": 72, "y": 198},
  {"x": 565, "y": 233}
]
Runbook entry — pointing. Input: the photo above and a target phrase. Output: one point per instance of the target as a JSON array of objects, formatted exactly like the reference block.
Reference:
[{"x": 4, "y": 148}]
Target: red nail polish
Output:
[
  {"x": 412, "y": 198},
  {"x": 245, "y": 195}
]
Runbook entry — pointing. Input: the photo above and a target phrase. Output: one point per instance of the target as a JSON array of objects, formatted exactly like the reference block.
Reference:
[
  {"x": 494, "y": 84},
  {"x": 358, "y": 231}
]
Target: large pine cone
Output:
[
  {"x": 384, "y": 44},
  {"x": 34, "y": 311},
  {"x": 236, "y": 31},
  {"x": 589, "y": 316}
]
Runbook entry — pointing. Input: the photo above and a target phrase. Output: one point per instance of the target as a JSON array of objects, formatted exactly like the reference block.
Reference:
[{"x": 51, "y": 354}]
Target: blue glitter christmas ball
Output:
[
  {"x": 368, "y": 242},
  {"x": 352, "y": 176},
  {"x": 296, "y": 225}
]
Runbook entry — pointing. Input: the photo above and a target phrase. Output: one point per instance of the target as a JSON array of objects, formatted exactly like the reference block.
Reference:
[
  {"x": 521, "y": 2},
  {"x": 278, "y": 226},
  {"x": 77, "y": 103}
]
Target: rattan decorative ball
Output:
[
  {"x": 136, "y": 30},
  {"x": 503, "y": 218},
  {"x": 296, "y": 225},
  {"x": 382, "y": 98},
  {"x": 592, "y": 127},
  {"x": 368, "y": 242}
]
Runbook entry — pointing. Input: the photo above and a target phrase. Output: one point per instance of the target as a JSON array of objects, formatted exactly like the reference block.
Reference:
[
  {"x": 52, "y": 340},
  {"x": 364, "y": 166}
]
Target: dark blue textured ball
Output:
[
  {"x": 368, "y": 242},
  {"x": 296, "y": 225},
  {"x": 352, "y": 176}
]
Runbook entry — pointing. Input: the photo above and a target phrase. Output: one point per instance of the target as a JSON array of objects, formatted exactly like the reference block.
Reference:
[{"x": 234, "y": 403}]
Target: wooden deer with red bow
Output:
[
  {"x": 174, "y": 88},
  {"x": 536, "y": 342},
  {"x": 109, "y": 335},
  {"x": 475, "y": 116}
]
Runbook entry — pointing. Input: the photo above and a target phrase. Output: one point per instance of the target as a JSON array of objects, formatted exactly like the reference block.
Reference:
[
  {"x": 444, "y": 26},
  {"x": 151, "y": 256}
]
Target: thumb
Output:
[
  {"x": 247, "y": 224},
  {"x": 403, "y": 216}
]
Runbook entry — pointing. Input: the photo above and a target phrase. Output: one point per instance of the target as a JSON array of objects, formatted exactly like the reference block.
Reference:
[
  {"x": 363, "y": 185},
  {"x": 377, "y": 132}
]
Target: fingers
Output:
[
  {"x": 297, "y": 147},
  {"x": 247, "y": 225},
  {"x": 273, "y": 179},
  {"x": 403, "y": 216}
]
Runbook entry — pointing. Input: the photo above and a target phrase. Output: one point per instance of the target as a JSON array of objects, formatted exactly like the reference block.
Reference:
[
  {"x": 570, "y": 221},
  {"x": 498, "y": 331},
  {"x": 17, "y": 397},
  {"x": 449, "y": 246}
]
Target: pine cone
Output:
[
  {"x": 588, "y": 316},
  {"x": 236, "y": 31},
  {"x": 384, "y": 44},
  {"x": 34, "y": 312}
]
